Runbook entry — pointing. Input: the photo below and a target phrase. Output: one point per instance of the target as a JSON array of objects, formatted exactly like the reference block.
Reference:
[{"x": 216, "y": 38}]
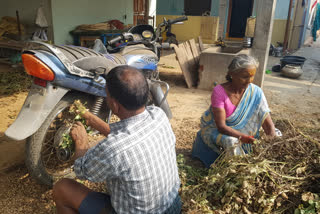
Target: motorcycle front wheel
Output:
[{"x": 43, "y": 158}]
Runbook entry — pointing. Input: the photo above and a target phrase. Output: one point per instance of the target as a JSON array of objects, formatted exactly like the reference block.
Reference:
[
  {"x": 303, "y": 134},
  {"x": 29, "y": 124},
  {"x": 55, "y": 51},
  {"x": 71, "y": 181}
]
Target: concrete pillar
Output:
[{"x": 262, "y": 37}]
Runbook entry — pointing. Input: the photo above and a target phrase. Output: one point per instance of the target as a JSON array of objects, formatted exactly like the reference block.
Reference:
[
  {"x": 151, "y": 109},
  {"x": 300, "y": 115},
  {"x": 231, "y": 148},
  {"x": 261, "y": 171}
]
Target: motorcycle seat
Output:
[
  {"x": 74, "y": 53},
  {"x": 80, "y": 61},
  {"x": 94, "y": 63},
  {"x": 135, "y": 49},
  {"x": 90, "y": 60}
]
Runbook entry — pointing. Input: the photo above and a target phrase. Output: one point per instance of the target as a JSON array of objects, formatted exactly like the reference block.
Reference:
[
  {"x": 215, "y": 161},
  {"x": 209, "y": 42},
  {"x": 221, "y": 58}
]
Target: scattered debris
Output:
[
  {"x": 8, "y": 28},
  {"x": 14, "y": 81},
  {"x": 167, "y": 66}
]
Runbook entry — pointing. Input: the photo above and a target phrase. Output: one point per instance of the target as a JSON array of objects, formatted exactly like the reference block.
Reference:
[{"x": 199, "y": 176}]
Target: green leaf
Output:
[
  {"x": 297, "y": 211},
  {"x": 311, "y": 202}
]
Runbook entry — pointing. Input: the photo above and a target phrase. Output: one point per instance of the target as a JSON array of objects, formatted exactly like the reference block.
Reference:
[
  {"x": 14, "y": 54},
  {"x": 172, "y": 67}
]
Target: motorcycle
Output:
[{"x": 63, "y": 74}]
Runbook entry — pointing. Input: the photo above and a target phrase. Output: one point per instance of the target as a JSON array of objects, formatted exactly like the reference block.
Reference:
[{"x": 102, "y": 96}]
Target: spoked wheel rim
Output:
[{"x": 50, "y": 145}]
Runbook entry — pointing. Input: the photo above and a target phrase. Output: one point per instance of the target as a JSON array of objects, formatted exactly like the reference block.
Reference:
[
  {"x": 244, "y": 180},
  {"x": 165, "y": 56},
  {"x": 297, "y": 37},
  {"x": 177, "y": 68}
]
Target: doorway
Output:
[
  {"x": 194, "y": 8},
  {"x": 144, "y": 12},
  {"x": 139, "y": 12},
  {"x": 239, "y": 11}
]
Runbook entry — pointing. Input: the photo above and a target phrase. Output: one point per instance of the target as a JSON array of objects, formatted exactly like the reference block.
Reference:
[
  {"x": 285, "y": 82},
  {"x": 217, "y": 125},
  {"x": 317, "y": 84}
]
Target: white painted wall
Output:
[
  {"x": 152, "y": 10},
  {"x": 67, "y": 14},
  {"x": 27, "y": 12}
]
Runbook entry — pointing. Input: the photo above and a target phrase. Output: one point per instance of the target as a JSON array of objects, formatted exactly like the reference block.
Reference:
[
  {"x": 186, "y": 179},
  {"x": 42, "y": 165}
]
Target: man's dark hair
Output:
[{"x": 128, "y": 86}]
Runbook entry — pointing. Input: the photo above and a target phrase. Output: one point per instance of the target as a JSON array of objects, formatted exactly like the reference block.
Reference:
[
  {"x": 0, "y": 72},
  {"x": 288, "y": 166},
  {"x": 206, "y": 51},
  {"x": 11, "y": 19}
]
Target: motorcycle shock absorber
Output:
[
  {"x": 96, "y": 110},
  {"x": 97, "y": 105}
]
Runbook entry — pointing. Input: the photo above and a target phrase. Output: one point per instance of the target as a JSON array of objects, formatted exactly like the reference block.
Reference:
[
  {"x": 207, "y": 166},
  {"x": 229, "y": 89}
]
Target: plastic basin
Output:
[{"x": 292, "y": 60}]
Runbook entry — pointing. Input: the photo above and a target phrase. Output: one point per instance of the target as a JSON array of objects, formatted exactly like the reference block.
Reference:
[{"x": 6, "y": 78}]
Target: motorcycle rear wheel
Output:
[{"x": 41, "y": 153}]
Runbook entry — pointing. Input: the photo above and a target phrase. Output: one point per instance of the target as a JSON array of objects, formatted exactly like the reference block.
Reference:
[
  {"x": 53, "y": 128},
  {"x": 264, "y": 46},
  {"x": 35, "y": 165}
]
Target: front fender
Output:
[
  {"x": 37, "y": 106},
  {"x": 159, "y": 97}
]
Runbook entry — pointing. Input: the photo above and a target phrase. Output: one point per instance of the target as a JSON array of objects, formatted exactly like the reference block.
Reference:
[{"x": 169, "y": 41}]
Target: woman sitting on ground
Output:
[{"x": 238, "y": 110}]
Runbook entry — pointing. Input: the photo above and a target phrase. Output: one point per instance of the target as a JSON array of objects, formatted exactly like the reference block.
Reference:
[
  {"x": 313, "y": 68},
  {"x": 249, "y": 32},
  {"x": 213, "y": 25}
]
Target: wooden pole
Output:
[
  {"x": 296, "y": 6},
  {"x": 146, "y": 11},
  {"x": 18, "y": 23},
  {"x": 286, "y": 35}
]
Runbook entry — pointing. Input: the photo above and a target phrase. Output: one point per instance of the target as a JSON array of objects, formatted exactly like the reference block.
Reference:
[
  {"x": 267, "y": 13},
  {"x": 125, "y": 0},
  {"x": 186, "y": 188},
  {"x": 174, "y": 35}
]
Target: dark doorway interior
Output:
[
  {"x": 197, "y": 8},
  {"x": 240, "y": 11}
]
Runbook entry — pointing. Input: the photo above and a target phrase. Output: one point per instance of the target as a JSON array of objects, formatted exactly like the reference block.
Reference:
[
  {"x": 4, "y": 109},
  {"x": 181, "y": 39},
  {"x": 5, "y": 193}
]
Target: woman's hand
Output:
[
  {"x": 247, "y": 139},
  {"x": 219, "y": 115},
  {"x": 268, "y": 127}
]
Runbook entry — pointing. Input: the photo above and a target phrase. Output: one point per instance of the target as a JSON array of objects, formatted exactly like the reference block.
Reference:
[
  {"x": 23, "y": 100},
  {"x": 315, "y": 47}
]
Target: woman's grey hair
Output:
[{"x": 240, "y": 62}]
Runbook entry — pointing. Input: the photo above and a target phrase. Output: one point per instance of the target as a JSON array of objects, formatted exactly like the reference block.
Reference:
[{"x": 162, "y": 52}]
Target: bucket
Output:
[
  {"x": 247, "y": 42},
  {"x": 278, "y": 51}
]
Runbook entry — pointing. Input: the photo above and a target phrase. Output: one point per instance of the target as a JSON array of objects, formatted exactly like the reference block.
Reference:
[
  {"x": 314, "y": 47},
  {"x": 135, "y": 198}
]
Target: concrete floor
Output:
[{"x": 299, "y": 96}]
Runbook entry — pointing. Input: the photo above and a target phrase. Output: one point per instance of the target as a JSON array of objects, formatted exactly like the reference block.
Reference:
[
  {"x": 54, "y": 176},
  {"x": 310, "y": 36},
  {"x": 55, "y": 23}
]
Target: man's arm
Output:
[
  {"x": 91, "y": 119},
  {"x": 80, "y": 138},
  {"x": 96, "y": 123},
  {"x": 91, "y": 164},
  {"x": 88, "y": 163}
]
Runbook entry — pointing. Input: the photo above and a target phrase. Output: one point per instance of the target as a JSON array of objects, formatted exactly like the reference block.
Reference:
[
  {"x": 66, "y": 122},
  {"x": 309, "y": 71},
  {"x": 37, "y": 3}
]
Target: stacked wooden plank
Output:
[
  {"x": 209, "y": 28},
  {"x": 201, "y": 47},
  {"x": 188, "y": 55}
]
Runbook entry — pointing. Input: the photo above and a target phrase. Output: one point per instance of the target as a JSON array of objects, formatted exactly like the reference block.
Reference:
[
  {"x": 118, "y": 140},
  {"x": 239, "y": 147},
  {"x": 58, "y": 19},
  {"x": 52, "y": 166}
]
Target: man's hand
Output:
[
  {"x": 247, "y": 139},
  {"x": 80, "y": 138},
  {"x": 79, "y": 107}
]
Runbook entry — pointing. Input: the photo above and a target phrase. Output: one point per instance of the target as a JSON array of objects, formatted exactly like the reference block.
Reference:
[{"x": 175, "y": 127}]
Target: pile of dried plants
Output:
[
  {"x": 14, "y": 81},
  {"x": 281, "y": 176}
]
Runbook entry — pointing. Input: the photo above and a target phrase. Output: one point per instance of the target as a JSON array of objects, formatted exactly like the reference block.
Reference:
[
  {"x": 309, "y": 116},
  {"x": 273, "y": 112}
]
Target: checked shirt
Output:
[{"x": 138, "y": 162}]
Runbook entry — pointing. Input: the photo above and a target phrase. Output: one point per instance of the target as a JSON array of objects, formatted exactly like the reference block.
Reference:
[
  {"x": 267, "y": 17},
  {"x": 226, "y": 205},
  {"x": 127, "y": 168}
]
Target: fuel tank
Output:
[{"x": 140, "y": 57}]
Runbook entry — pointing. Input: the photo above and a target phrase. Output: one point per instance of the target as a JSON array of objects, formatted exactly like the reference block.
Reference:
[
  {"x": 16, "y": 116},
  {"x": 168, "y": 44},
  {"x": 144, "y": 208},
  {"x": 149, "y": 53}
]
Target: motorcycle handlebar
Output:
[
  {"x": 165, "y": 45},
  {"x": 114, "y": 40},
  {"x": 167, "y": 23},
  {"x": 180, "y": 19}
]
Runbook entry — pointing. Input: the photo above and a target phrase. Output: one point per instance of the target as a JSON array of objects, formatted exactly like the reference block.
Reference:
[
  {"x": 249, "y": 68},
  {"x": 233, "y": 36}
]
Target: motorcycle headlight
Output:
[{"x": 147, "y": 34}]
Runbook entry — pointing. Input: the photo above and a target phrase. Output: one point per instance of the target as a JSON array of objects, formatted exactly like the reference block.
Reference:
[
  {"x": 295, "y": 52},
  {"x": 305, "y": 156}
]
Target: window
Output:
[{"x": 197, "y": 8}]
